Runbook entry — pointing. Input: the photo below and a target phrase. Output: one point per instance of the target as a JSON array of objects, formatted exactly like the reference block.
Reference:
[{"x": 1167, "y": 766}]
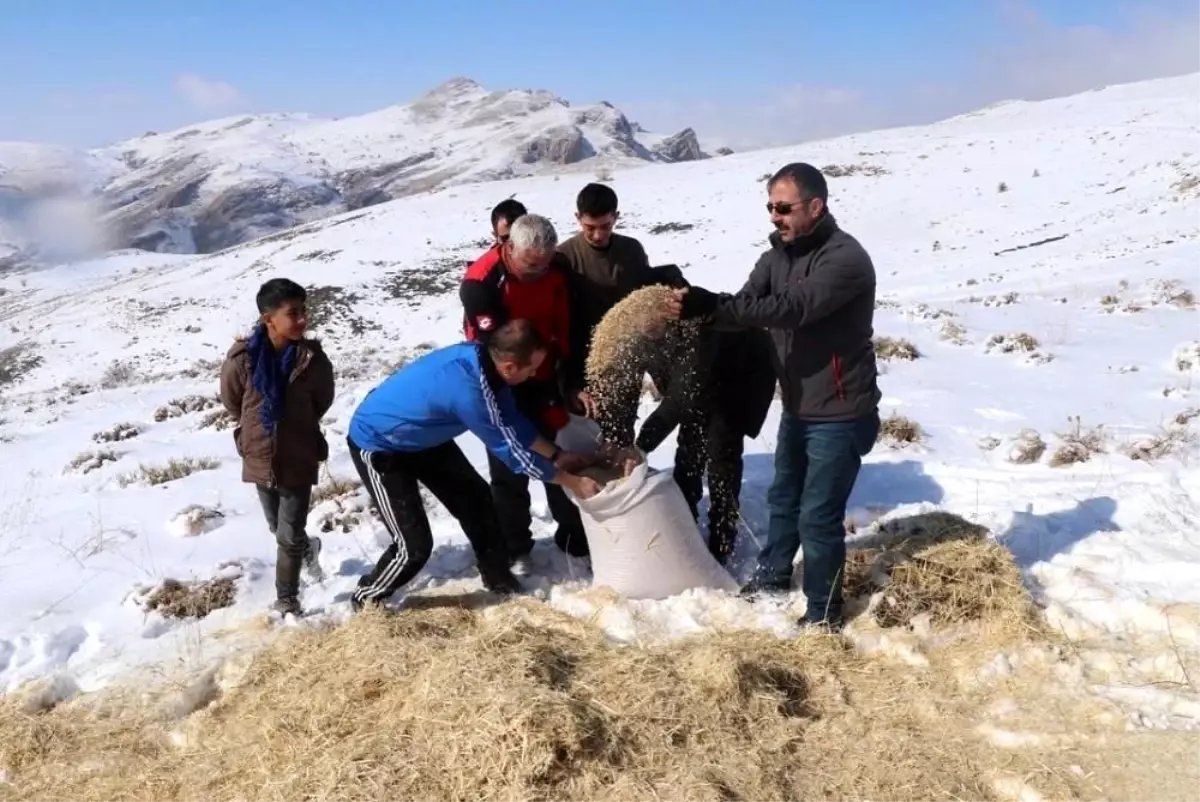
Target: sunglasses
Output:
[{"x": 785, "y": 208}]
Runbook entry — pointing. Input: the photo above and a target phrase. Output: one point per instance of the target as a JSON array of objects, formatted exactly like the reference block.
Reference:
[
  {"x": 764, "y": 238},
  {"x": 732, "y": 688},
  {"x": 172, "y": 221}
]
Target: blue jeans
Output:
[{"x": 816, "y": 465}]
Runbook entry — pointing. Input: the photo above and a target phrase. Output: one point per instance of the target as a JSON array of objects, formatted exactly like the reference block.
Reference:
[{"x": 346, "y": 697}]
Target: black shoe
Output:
[
  {"x": 497, "y": 577},
  {"x": 288, "y": 606},
  {"x": 758, "y": 588}
]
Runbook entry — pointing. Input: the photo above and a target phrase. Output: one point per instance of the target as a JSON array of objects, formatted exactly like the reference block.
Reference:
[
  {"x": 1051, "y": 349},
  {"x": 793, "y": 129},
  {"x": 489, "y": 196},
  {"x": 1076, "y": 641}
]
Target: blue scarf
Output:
[{"x": 269, "y": 374}]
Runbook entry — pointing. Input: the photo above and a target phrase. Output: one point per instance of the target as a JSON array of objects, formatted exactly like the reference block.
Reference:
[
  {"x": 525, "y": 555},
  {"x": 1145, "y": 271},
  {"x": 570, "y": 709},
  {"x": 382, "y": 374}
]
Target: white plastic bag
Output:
[{"x": 643, "y": 540}]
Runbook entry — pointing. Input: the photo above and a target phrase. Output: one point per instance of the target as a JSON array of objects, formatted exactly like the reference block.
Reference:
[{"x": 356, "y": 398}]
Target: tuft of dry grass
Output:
[
  {"x": 174, "y": 469},
  {"x": 897, "y": 430},
  {"x": 335, "y": 488},
  {"x": 524, "y": 702},
  {"x": 117, "y": 433},
  {"x": 191, "y": 599},
  {"x": 185, "y": 405},
  {"x": 119, "y": 373},
  {"x": 1011, "y": 343},
  {"x": 1077, "y": 445},
  {"x": 895, "y": 348},
  {"x": 1173, "y": 438},
  {"x": 952, "y": 331},
  {"x": 348, "y": 509}
]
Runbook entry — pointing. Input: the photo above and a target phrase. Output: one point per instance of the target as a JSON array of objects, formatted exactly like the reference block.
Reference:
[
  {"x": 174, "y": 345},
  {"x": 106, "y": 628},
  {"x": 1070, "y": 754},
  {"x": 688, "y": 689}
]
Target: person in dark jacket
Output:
[
  {"x": 403, "y": 433},
  {"x": 523, "y": 277},
  {"x": 815, "y": 291},
  {"x": 718, "y": 393},
  {"x": 277, "y": 385}
]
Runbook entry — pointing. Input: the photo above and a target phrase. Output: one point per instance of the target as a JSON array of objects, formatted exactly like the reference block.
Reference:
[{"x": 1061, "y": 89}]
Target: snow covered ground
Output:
[{"x": 1108, "y": 182}]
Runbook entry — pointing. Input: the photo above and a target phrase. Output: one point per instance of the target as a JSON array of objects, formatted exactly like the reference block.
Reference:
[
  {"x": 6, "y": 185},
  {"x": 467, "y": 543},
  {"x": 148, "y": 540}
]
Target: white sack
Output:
[{"x": 643, "y": 540}]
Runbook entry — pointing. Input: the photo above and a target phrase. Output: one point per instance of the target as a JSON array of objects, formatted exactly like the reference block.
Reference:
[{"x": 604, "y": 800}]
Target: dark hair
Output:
[
  {"x": 278, "y": 291},
  {"x": 808, "y": 179},
  {"x": 517, "y": 340},
  {"x": 596, "y": 200},
  {"x": 508, "y": 211}
]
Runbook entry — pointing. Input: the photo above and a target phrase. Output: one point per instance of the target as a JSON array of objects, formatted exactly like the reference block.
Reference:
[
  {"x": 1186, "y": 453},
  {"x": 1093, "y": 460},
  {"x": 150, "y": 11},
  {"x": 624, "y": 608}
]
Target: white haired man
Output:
[{"x": 525, "y": 278}]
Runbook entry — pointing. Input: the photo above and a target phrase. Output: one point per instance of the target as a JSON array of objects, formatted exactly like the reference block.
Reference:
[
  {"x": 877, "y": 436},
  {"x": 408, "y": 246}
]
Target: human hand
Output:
[
  {"x": 697, "y": 302},
  {"x": 583, "y": 487},
  {"x": 585, "y": 402},
  {"x": 673, "y": 307},
  {"x": 574, "y": 462}
]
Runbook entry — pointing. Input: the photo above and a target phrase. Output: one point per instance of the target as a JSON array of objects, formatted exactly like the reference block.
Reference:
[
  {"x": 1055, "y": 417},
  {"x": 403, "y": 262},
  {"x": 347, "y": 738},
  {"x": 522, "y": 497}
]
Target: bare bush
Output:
[
  {"x": 186, "y": 405},
  {"x": 895, "y": 348},
  {"x": 119, "y": 373},
  {"x": 174, "y": 469},
  {"x": 671, "y": 228},
  {"x": 218, "y": 419},
  {"x": 845, "y": 170},
  {"x": 117, "y": 433},
  {"x": 1077, "y": 445},
  {"x": 1173, "y": 438},
  {"x": 954, "y": 332},
  {"x": 899, "y": 431},
  {"x": 17, "y": 361},
  {"x": 1002, "y": 187},
  {"x": 89, "y": 461}
]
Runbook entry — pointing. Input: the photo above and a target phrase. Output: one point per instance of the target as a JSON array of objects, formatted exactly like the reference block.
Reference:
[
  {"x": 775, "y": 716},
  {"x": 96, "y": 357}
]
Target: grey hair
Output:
[{"x": 533, "y": 233}]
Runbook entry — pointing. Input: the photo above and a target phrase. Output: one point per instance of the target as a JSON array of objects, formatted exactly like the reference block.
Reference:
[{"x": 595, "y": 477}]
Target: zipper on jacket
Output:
[{"x": 837, "y": 377}]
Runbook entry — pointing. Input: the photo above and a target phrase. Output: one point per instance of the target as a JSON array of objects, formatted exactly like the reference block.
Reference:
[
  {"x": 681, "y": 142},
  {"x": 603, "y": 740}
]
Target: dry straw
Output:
[{"x": 447, "y": 700}]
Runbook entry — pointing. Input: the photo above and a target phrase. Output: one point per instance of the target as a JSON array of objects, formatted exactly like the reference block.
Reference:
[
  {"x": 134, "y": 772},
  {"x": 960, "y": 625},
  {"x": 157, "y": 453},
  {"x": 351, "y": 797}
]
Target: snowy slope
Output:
[
  {"x": 219, "y": 183},
  {"x": 951, "y": 213}
]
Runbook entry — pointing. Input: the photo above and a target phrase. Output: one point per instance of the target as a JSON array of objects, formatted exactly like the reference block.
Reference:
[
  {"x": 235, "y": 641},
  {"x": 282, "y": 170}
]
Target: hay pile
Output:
[
  {"x": 941, "y": 566},
  {"x": 518, "y": 702},
  {"x": 633, "y": 336},
  {"x": 191, "y": 598}
]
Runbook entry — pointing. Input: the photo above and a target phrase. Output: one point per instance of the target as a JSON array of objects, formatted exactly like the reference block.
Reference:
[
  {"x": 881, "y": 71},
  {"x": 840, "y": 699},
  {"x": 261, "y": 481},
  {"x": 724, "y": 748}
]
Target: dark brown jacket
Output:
[
  {"x": 601, "y": 278},
  {"x": 293, "y": 456},
  {"x": 817, "y": 297}
]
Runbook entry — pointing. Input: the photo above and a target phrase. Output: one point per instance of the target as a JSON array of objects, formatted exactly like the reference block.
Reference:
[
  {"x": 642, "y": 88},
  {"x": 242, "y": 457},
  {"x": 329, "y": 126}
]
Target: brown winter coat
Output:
[{"x": 294, "y": 455}]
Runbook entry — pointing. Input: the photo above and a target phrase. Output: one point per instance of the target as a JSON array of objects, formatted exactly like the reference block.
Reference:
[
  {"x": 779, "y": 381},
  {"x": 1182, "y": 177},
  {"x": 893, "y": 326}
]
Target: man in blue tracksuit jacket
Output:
[{"x": 403, "y": 434}]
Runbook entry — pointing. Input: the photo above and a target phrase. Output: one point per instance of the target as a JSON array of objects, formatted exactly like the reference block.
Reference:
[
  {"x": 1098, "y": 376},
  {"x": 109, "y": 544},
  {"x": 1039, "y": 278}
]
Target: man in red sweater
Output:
[{"x": 523, "y": 277}]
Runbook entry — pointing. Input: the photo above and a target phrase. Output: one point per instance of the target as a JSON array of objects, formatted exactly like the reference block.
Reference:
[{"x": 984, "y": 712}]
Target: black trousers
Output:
[
  {"x": 392, "y": 480},
  {"x": 708, "y": 442},
  {"x": 510, "y": 491},
  {"x": 286, "y": 511}
]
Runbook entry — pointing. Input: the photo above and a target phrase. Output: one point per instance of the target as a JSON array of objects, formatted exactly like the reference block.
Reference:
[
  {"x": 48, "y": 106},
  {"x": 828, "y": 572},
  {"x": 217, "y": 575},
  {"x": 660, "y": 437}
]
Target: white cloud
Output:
[
  {"x": 209, "y": 96},
  {"x": 1038, "y": 60}
]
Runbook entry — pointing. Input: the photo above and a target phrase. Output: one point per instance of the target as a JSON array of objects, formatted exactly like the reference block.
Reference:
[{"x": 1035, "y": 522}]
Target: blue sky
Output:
[{"x": 751, "y": 72}]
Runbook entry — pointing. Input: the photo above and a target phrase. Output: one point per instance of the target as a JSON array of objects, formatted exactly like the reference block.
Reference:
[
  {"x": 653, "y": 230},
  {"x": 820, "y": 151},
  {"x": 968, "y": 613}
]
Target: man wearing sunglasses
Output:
[
  {"x": 523, "y": 277},
  {"x": 815, "y": 291}
]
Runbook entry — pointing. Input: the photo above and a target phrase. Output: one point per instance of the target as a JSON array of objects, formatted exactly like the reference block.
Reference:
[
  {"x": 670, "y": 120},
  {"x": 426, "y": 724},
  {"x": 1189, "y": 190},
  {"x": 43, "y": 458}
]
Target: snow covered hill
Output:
[
  {"x": 1037, "y": 264},
  {"x": 220, "y": 183}
]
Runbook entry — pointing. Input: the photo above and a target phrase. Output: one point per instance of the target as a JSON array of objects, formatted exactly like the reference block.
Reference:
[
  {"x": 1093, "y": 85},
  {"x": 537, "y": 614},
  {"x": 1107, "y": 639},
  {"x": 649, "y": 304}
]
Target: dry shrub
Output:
[
  {"x": 89, "y": 461},
  {"x": 174, "y": 469},
  {"x": 1012, "y": 343},
  {"x": 524, "y": 702},
  {"x": 218, "y": 419},
  {"x": 898, "y": 430},
  {"x": 348, "y": 508},
  {"x": 1175, "y": 437},
  {"x": 191, "y": 599},
  {"x": 119, "y": 373},
  {"x": 895, "y": 348},
  {"x": 335, "y": 488},
  {"x": 954, "y": 332},
  {"x": 186, "y": 405},
  {"x": 939, "y": 565},
  {"x": 1077, "y": 445},
  {"x": 117, "y": 432}
]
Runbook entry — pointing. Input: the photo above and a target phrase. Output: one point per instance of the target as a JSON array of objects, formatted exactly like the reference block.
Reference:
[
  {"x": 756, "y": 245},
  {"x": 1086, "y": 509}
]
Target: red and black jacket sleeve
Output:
[{"x": 482, "y": 297}]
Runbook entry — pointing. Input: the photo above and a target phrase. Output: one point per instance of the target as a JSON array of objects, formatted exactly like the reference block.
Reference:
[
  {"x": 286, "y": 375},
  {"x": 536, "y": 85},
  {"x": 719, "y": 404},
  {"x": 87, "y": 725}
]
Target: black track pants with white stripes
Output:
[{"x": 392, "y": 480}]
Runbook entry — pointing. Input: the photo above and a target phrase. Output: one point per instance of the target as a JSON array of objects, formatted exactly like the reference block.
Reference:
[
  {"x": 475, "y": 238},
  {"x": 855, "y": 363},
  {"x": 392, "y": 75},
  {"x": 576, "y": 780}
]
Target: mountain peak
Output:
[{"x": 459, "y": 85}]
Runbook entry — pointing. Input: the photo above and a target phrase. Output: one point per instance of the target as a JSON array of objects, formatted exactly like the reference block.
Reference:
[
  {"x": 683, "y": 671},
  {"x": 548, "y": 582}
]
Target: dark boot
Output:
[{"x": 497, "y": 577}]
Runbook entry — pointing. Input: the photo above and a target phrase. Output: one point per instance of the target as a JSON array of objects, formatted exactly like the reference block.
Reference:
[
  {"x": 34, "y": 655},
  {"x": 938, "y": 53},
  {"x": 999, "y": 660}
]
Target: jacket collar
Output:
[
  {"x": 809, "y": 242},
  {"x": 494, "y": 379}
]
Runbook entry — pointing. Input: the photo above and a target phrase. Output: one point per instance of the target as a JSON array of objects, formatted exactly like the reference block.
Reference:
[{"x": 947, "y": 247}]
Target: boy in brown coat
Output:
[{"x": 278, "y": 385}]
